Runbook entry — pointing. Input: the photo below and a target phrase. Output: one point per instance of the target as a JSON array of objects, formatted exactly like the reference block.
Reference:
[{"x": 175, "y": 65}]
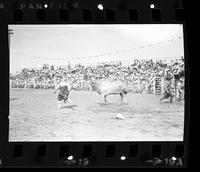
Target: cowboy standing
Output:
[
  {"x": 180, "y": 88},
  {"x": 168, "y": 76}
]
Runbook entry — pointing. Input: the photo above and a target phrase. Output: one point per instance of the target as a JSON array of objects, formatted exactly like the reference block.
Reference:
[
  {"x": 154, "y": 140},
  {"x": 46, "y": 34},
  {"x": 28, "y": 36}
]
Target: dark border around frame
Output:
[{"x": 98, "y": 158}]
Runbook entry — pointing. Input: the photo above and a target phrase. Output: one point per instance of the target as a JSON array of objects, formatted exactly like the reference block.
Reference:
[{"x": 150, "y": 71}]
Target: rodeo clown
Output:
[
  {"x": 168, "y": 76},
  {"x": 63, "y": 87}
]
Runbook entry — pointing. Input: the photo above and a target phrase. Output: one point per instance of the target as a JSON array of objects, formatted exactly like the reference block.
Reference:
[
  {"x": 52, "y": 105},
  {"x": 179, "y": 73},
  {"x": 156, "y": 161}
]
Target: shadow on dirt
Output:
[
  {"x": 112, "y": 104},
  {"x": 69, "y": 106},
  {"x": 123, "y": 104},
  {"x": 106, "y": 104},
  {"x": 166, "y": 102}
]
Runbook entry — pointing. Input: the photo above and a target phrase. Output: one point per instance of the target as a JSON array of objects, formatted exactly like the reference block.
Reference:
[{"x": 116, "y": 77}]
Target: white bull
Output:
[{"x": 108, "y": 87}]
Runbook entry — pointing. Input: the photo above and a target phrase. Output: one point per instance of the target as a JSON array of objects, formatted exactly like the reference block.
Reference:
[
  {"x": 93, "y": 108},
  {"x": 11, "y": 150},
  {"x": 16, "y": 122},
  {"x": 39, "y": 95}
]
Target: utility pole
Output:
[{"x": 10, "y": 32}]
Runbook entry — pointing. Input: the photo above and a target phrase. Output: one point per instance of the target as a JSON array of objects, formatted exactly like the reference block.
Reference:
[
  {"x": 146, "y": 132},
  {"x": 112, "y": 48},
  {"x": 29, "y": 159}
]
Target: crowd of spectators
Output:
[{"x": 137, "y": 75}]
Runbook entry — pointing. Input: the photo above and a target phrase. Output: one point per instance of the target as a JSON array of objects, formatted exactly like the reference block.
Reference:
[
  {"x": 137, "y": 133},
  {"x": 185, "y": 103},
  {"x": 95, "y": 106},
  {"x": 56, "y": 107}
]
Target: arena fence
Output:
[
  {"x": 155, "y": 86},
  {"x": 31, "y": 84}
]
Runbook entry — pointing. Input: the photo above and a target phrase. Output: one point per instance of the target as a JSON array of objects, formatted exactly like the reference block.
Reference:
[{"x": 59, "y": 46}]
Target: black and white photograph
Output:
[{"x": 96, "y": 82}]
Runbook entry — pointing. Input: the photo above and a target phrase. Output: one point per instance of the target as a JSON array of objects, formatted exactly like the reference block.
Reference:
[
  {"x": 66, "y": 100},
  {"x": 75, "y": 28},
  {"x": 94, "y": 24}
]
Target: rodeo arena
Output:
[
  {"x": 79, "y": 83},
  {"x": 152, "y": 108}
]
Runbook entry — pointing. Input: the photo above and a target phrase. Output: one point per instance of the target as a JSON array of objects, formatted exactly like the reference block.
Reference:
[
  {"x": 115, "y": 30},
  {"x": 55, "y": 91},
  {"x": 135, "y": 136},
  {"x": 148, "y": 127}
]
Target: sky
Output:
[{"x": 35, "y": 45}]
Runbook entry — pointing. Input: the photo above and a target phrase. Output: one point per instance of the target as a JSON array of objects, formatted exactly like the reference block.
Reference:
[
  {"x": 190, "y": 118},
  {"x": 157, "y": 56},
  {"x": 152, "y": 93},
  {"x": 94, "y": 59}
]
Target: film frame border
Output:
[{"x": 151, "y": 154}]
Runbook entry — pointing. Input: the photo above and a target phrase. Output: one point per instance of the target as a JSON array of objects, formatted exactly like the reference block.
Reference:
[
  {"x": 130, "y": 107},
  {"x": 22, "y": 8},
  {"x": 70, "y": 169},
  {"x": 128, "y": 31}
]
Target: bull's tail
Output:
[{"x": 124, "y": 91}]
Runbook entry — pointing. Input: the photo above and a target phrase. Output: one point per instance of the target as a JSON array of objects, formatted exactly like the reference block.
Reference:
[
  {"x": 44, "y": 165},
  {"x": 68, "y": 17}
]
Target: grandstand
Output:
[{"x": 141, "y": 76}]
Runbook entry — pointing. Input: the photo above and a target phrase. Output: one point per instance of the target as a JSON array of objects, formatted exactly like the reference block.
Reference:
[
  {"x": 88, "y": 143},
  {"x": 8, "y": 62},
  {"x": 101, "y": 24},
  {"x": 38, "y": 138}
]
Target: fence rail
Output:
[
  {"x": 155, "y": 86},
  {"x": 31, "y": 84}
]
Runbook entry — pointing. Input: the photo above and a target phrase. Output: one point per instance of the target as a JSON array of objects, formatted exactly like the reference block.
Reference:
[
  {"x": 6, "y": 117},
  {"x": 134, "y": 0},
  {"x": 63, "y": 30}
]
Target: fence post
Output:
[
  {"x": 17, "y": 83},
  {"x": 174, "y": 84},
  {"x": 154, "y": 85},
  {"x": 162, "y": 83},
  {"x": 176, "y": 90},
  {"x": 139, "y": 85},
  {"x": 25, "y": 82}
]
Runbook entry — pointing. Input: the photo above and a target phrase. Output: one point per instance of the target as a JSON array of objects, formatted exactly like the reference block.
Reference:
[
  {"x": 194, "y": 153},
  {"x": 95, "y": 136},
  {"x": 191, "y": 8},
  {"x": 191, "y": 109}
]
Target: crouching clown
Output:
[{"x": 63, "y": 87}]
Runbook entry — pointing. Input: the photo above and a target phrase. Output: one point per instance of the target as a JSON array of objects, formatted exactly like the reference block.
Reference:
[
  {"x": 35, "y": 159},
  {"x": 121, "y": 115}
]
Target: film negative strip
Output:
[{"x": 94, "y": 83}]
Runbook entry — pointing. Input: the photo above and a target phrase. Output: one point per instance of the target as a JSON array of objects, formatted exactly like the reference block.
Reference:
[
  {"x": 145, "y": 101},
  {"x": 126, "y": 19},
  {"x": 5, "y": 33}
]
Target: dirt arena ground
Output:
[{"x": 34, "y": 116}]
